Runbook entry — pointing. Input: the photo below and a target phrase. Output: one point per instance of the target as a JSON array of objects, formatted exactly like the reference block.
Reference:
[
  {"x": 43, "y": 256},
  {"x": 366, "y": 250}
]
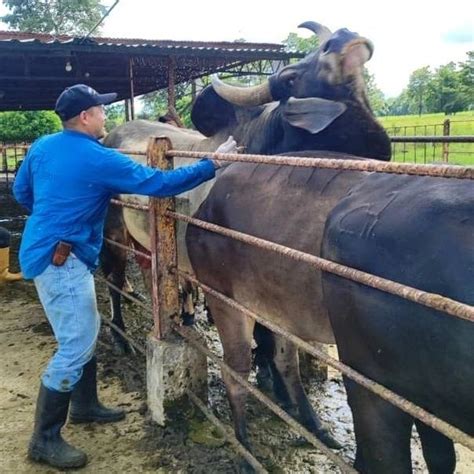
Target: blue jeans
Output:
[{"x": 67, "y": 294}]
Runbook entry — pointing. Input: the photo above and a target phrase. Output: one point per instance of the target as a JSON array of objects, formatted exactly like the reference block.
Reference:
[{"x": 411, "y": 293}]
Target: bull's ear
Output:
[
  {"x": 312, "y": 114},
  {"x": 211, "y": 113}
]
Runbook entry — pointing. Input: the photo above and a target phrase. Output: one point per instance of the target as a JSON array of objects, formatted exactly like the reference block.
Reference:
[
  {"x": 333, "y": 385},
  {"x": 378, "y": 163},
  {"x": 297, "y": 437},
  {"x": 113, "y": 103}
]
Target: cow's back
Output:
[
  {"x": 287, "y": 205},
  {"x": 417, "y": 231}
]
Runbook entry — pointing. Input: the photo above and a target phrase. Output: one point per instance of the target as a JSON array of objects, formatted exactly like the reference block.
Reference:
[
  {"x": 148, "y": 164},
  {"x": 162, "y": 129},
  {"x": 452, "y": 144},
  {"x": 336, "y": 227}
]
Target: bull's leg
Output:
[
  {"x": 286, "y": 363},
  {"x": 187, "y": 303},
  {"x": 235, "y": 331},
  {"x": 268, "y": 377},
  {"x": 438, "y": 450},
  {"x": 382, "y": 432},
  {"x": 114, "y": 262}
]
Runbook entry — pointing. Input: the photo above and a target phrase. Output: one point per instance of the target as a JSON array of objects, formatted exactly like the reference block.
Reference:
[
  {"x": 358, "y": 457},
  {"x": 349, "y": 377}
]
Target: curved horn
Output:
[
  {"x": 244, "y": 96},
  {"x": 321, "y": 31}
]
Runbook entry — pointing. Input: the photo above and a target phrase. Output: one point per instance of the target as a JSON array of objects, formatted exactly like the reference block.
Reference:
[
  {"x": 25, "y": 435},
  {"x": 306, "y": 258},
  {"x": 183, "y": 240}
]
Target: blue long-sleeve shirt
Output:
[{"x": 67, "y": 181}]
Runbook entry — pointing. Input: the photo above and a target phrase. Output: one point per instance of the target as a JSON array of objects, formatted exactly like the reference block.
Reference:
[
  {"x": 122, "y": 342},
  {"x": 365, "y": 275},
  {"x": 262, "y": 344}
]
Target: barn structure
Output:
[{"x": 35, "y": 68}]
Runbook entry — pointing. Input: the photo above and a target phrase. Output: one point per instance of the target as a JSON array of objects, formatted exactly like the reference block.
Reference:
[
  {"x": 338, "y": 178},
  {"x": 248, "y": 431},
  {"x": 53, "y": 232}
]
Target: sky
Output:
[{"x": 407, "y": 34}]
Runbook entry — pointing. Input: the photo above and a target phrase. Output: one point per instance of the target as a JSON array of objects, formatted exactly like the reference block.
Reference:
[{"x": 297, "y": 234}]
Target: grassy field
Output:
[{"x": 431, "y": 124}]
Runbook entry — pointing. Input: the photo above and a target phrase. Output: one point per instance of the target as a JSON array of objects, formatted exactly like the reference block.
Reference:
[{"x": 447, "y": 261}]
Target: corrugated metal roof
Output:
[
  {"x": 25, "y": 37},
  {"x": 36, "y": 67}
]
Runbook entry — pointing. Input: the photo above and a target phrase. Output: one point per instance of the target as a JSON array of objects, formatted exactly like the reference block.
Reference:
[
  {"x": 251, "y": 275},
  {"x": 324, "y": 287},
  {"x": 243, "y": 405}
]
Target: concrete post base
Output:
[{"x": 172, "y": 366}]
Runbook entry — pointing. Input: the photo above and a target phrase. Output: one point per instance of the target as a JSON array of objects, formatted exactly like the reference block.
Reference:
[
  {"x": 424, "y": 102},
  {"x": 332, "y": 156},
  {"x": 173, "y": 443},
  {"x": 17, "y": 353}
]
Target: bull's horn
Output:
[
  {"x": 243, "y": 96},
  {"x": 321, "y": 31}
]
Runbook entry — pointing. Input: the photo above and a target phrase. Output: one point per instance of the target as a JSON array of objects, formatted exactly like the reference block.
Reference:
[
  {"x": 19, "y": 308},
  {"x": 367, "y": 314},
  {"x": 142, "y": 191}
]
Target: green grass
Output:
[{"x": 431, "y": 124}]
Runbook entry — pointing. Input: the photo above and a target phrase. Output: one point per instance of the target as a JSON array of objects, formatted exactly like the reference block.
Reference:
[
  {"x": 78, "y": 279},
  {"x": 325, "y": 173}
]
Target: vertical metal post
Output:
[
  {"x": 446, "y": 133},
  {"x": 171, "y": 82},
  {"x": 132, "y": 91},
  {"x": 163, "y": 247}
]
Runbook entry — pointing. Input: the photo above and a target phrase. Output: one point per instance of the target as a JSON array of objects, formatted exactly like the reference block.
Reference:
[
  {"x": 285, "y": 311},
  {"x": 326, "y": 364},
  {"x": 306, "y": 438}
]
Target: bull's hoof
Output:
[
  {"x": 245, "y": 468},
  {"x": 188, "y": 319},
  {"x": 120, "y": 345},
  {"x": 328, "y": 439}
]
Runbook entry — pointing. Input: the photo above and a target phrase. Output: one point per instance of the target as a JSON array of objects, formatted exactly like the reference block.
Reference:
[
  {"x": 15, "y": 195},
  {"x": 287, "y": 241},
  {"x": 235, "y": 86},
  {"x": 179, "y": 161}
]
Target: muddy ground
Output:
[{"x": 189, "y": 444}]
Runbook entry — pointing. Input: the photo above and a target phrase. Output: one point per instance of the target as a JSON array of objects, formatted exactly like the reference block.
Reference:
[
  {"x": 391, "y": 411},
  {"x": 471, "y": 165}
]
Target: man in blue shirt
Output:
[{"x": 66, "y": 182}]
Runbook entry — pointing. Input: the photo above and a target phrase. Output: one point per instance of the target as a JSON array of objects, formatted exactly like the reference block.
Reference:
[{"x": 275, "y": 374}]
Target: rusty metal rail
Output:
[
  {"x": 125, "y": 151},
  {"x": 383, "y": 392},
  {"x": 431, "y": 300},
  {"x": 138, "y": 207},
  {"x": 442, "y": 171},
  {"x": 239, "y": 447},
  {"x": 128, "y": 248},
  {"x": 187, "y": 333}
]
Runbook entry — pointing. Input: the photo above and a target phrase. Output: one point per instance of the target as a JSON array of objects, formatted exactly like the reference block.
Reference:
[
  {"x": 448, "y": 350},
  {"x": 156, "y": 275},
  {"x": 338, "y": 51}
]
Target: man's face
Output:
[{"x": 94, "y": 121}]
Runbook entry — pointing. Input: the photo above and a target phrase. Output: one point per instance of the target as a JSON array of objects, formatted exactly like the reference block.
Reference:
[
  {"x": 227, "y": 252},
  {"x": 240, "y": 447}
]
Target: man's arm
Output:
[
  {"x": 22, "y": 189},
  {"x": 120, "y": 174}
]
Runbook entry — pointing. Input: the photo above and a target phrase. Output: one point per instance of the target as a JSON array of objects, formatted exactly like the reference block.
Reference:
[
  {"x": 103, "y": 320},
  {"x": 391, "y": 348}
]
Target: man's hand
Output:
[{"x": 229, "y": 146}]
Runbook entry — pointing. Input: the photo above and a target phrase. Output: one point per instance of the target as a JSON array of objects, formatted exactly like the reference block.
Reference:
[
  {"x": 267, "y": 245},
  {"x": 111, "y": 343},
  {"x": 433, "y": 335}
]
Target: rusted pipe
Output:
[
  {"x": 123, "y": 293},
  {"x": 131, "y": 152},
  {"x": 128, "y": 249},
  {"x": 229, "y": 436},
  {"x": 431, "y": 300},
  {"x": 138, "y": 207},
  {"x": 441, "y": 171},
  {"x": 408, "y": 407}
]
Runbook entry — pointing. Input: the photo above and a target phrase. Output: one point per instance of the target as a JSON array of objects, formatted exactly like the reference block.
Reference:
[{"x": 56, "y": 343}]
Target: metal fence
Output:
[
  {"x": 454, "y": 152},
  {"x": 165, "y": 274},
  {"x": 11, "y": 157}
]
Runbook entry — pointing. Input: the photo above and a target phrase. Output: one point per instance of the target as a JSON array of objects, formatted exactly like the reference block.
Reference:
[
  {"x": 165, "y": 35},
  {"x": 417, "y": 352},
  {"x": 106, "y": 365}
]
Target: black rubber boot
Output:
[
  {"x": 46, "y": 444},
  {"x": 85, "y": 405}
]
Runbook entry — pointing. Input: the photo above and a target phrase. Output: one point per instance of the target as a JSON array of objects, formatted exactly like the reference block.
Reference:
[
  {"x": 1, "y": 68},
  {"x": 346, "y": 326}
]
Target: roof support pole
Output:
[
  {"x": 171, "y": 83},
  {"x": 132, "y": 92}
]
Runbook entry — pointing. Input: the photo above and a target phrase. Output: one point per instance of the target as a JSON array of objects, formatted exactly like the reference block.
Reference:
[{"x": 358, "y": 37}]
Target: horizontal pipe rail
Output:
[
  {"x": 134, "y": 344},
  {"x": 128, "y": 248},
  {"x": 238, "y": 447},
  {"x": 441, "y": 171},
  {"x": 431, "y": 300},
  {"x": 189, "y": 334},
  {"x": 433, "y": 139},
  {"x": 123, "y": 293},
  {"x": 138, "y": 207},
  {"x": 131, "y": 152},
  {"x": 408, "y": 407}
]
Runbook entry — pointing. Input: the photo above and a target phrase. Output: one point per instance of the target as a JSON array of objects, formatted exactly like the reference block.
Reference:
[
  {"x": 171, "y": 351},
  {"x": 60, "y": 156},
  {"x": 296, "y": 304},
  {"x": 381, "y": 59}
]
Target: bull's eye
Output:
[{"x": 326, "y": 47}]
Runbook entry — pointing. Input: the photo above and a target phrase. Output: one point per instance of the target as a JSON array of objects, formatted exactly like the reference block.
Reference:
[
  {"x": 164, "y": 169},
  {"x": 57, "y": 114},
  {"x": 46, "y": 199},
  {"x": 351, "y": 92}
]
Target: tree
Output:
[
  {"x": 71, "y": 17},
  {"x": 374, "y": 94},
  {"x": 296, "y": 43},
  {"x": 115, "y": 116},
  {"x": 418, "y": 89},
  {"x": 466, "y": 80},
  {"x": 27, "y": 126},
  {"x": 447, "y": 85}
]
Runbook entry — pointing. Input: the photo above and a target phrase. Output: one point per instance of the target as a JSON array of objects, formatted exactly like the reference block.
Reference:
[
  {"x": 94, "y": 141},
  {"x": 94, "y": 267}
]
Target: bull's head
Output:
[
  {"x": 336, "y": 64},
  {"x": 308, "y": 96}
]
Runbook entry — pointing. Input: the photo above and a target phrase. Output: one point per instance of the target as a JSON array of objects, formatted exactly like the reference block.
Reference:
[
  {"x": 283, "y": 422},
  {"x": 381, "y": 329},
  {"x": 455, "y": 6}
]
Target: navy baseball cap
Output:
[{"x": 73, "y": 100}]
